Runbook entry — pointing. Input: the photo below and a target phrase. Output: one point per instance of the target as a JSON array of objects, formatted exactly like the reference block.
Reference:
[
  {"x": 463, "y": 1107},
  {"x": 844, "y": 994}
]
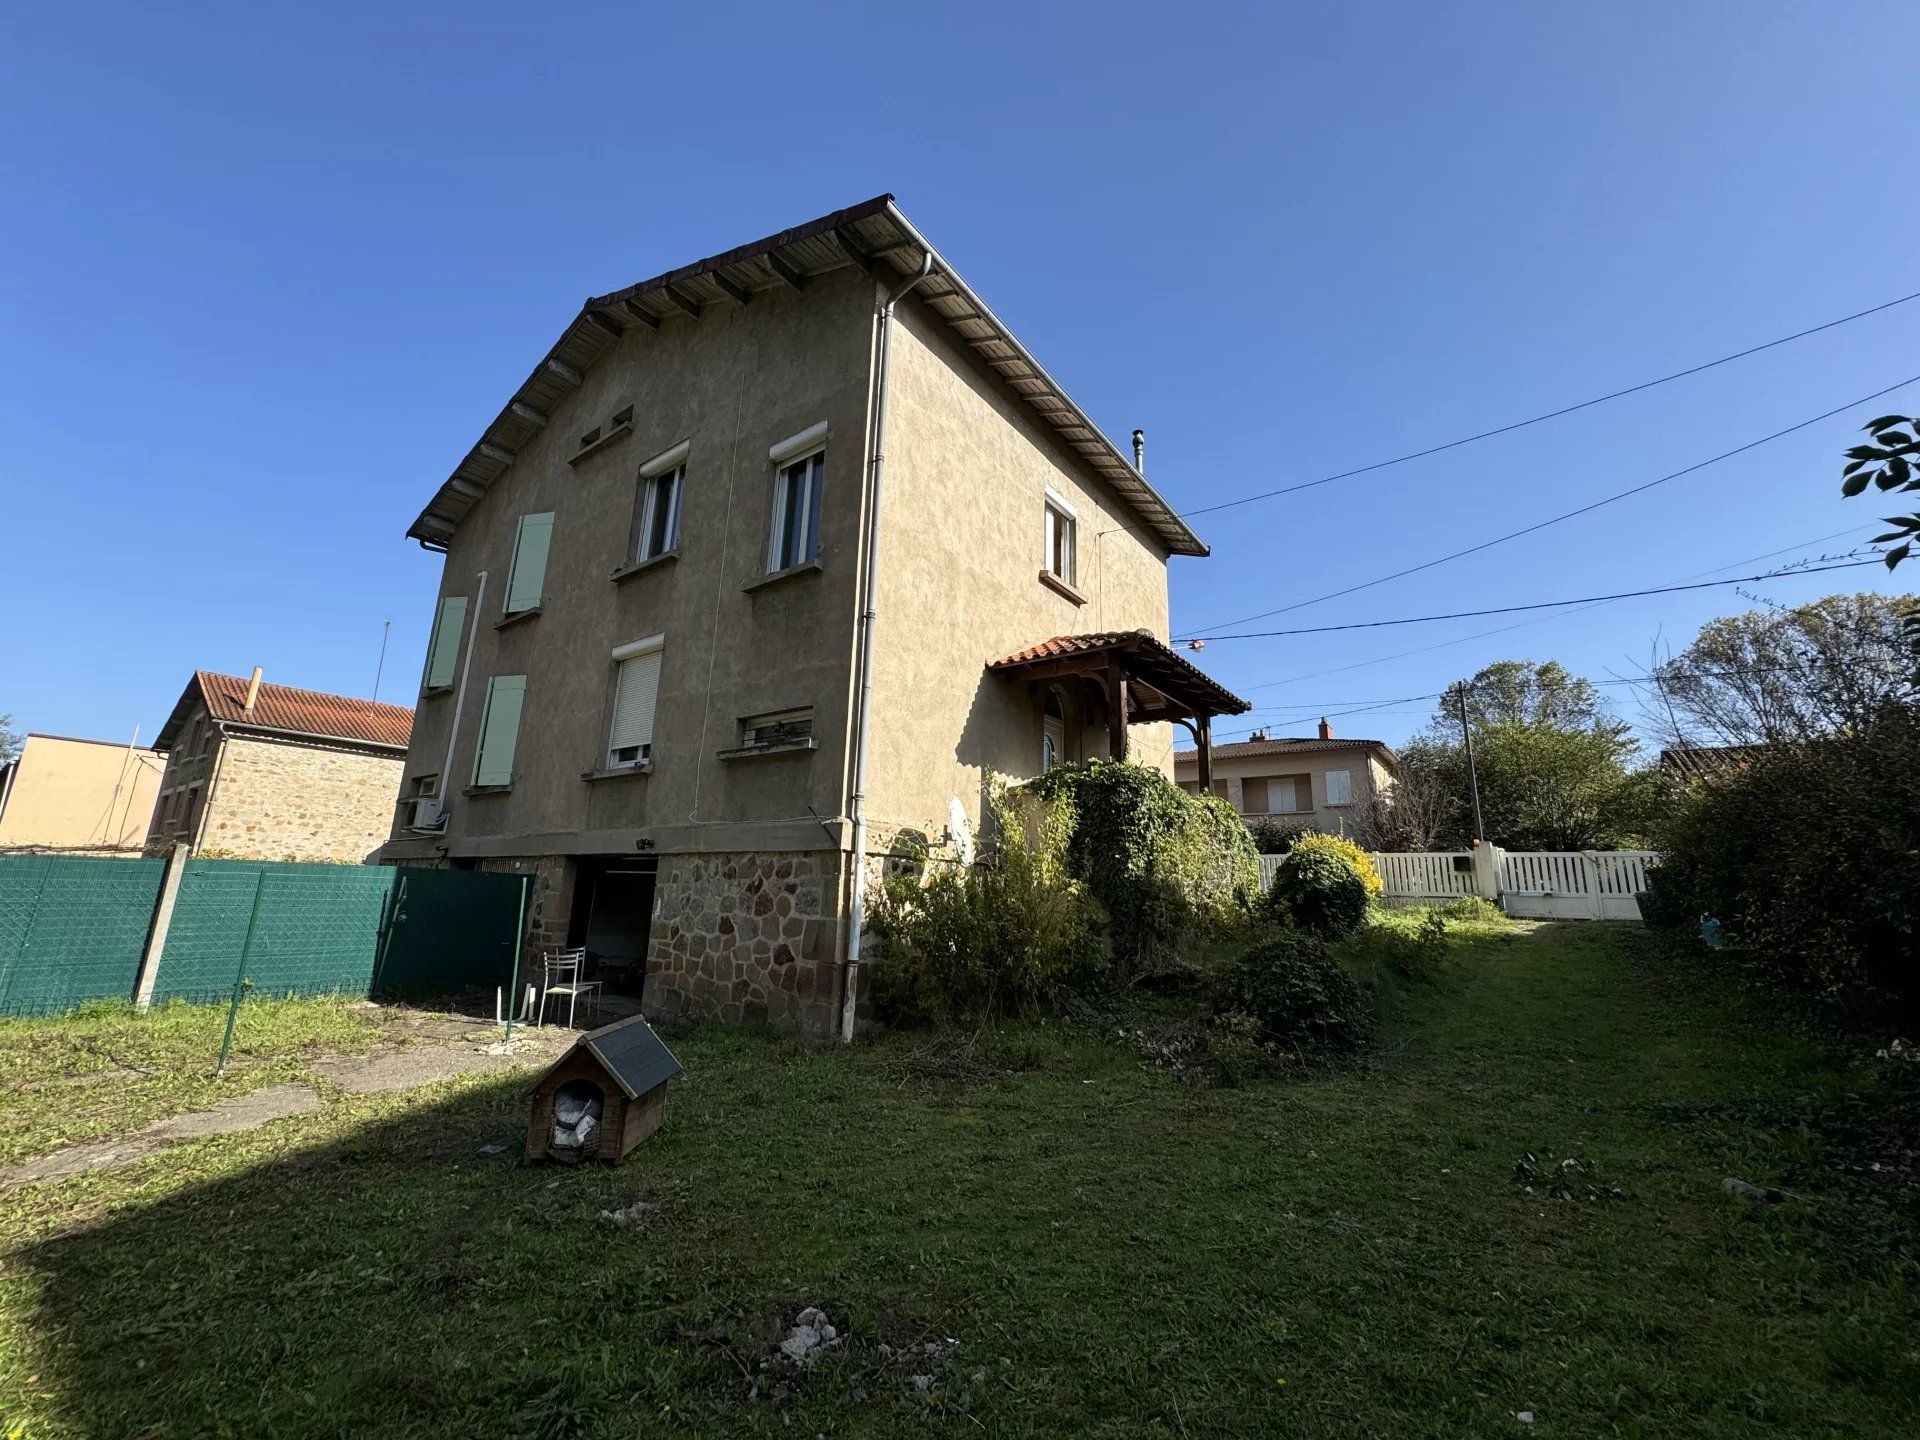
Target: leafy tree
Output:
[
  {"x": 10, "y": 741},
  {"x": 1767, "y": 677},
  {"x": 1890, "y": 462},
  {"x": 1524, "y": 692},
  {"x": 1544, "y": 787}
]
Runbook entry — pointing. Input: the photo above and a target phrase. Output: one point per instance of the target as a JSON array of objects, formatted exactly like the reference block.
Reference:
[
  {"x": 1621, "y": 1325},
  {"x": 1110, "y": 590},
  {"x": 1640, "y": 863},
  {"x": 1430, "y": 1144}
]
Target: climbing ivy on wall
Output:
[{"x": 1170, "y": 868}]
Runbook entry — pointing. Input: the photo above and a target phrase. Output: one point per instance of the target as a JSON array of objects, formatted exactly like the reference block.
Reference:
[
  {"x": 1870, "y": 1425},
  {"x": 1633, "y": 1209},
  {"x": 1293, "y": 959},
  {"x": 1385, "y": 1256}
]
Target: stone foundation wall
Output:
[{"x": 747, "y": 938}]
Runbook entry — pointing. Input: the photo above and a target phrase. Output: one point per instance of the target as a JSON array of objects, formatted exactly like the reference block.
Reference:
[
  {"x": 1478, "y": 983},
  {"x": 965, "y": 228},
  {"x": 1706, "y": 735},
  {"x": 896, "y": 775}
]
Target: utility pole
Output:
[{"x": 1473, "y": 777}]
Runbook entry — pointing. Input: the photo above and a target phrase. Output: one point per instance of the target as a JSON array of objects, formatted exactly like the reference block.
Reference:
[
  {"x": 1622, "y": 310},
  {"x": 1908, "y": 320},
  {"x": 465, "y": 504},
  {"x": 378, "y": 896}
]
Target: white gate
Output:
[{"x": 1574, "y": 884}]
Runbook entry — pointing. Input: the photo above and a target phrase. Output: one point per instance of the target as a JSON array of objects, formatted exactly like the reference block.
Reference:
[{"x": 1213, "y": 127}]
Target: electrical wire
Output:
[
  {"x": 1572, "y": 514},
  {"x": 1538, "y": 419},
  {"x": 1535, "y": 605}
]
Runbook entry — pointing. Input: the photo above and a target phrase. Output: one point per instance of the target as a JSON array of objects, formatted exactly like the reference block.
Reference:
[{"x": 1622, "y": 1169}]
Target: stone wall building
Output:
[
  {"x": 682, "y": 674},
  {"x": 268, "y": 772}
]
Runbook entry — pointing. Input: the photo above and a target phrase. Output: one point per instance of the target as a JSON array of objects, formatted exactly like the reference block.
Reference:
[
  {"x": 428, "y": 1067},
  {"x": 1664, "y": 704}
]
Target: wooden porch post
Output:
[
  {"x": 1116, "y": 710},
  {"x": 1205, "y": 737}
]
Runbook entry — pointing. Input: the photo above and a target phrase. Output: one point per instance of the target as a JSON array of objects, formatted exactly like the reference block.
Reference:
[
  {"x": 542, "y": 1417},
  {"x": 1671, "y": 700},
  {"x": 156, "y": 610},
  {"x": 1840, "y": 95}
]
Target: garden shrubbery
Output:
[
  {"x": 1171, "y": 869},
  {"x": 1000, "y": 937},
  {"x": 1299, "y": 996},
  {"x": 1322, "y": 888},
  {"x": 1806, "y": 858}
]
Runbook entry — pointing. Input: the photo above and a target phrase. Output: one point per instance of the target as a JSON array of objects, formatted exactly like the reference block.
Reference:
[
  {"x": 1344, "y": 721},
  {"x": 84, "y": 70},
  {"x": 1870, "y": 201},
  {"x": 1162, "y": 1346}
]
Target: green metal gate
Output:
[{"x": 448, "y": 930}]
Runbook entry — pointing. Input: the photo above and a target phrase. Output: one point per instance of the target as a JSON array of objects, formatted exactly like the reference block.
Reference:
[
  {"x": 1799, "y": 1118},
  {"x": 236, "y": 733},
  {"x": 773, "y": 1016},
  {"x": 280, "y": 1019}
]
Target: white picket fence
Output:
[
  {"x": 1529, "y": 884},
  {"x": 1574, "y": 884}
]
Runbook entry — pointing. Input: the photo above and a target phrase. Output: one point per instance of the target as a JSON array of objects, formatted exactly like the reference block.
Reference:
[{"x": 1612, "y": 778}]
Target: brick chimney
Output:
[
  {"x": 1259, "y": 734},
  {"x": 1326, "y": 730}
]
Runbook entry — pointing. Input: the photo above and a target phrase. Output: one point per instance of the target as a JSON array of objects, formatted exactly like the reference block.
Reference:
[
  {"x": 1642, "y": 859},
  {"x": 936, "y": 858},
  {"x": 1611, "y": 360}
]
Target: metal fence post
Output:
[
  {"x": 240, "y": 978},
  {"x": 519, "y": 939}
]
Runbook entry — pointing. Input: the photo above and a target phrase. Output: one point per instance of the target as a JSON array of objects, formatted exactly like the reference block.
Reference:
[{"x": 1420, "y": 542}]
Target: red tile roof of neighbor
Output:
[{"x": 305, "y": 712}]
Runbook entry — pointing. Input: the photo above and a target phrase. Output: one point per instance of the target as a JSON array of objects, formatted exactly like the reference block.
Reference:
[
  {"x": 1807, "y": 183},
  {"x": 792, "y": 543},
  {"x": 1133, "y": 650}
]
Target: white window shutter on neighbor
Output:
[
  {"x": 636, "y": 689},
  {"x": 500, "y": 730},
  {"x": 528, "y": 580},
  {"x": 1339, "y": 787}
]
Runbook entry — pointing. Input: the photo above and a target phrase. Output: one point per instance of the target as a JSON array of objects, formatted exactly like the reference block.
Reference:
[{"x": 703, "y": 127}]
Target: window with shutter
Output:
[
  {"x": 1339, "y": 787},
  {"x": 499, "y": 730},
  {"x": 636, "y": 692},
  {"x": 527, "y": 580},
  {"x": 443, "y": 650}
]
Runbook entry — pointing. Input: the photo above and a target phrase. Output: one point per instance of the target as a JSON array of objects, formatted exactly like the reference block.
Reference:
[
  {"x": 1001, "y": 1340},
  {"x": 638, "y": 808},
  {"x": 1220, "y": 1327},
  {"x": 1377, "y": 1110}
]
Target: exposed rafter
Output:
[
  {"x": 680, "y": 298},
  {"x": 565, "y": 371},
  {"x": 605, "y": 323},
  {"x": 523, "y": 411},
  {"x": 640, "y": 312},
  {"x": 785, "y": 271},
  {"x": 734, "y": 290},
  {"x": 497, "y": 453}
]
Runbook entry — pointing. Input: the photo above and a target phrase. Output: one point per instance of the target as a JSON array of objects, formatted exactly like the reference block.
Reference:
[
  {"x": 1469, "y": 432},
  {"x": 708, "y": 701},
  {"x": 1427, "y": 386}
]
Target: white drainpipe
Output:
[{"x": 857, "y": 801}]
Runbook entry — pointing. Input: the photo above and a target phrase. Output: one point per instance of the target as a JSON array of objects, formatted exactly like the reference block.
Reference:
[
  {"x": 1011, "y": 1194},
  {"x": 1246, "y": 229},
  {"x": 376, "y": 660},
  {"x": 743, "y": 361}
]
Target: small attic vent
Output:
[{"x": 618, "y": 426}]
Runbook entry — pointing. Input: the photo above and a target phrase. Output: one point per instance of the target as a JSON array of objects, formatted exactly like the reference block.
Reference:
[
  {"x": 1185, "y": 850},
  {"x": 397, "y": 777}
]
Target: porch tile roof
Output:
[{"x": 1152, "y": 661}]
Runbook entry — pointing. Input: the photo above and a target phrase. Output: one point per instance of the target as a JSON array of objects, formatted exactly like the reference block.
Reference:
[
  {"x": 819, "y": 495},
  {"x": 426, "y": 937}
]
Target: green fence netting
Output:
[{"x": 74, "y": 929}]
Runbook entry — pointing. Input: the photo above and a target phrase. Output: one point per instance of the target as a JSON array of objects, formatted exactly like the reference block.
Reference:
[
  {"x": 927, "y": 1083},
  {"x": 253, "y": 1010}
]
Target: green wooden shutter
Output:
[
  {"x": 443, "y": 653},
  {"x": 499, "y": 730},
  {"x": 527, "y": 581}
]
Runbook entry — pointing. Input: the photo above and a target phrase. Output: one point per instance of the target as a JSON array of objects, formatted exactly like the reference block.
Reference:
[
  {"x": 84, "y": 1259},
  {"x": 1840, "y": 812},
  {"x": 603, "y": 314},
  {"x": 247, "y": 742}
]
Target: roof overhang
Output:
[
  {"x": 1162, "y": 685},
  {"x": 873, "y": 236}
]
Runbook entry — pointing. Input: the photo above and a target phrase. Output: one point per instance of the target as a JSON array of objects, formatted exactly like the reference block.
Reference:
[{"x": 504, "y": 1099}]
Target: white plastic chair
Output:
[{"x": 561, "y": 975}]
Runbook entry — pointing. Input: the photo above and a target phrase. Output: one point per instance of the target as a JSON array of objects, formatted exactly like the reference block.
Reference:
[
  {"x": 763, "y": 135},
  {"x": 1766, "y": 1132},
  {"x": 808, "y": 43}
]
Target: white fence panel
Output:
[
  {"x": 1414, "y": 877},
  {"x": 1269, "y": 867},
  {"x": 1574, "y": 884}
]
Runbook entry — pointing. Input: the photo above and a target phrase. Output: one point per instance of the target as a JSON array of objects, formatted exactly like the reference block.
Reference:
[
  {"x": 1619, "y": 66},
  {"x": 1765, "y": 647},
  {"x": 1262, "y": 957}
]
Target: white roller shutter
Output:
[{"x": 636, "y": 690}]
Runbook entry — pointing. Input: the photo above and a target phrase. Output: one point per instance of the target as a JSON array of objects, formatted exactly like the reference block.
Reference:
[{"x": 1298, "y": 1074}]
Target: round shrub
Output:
[
  {"x": 1301, "y": 998},
  {"x": 1319, "y": 891},
  {"x": 1359, "y": 859}
]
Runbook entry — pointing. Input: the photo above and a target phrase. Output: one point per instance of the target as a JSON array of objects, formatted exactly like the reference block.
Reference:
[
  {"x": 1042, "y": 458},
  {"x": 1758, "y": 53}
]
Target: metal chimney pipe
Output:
[
  {"x": 253, "y": 689},
  {"x": 1140, "y": 451}
]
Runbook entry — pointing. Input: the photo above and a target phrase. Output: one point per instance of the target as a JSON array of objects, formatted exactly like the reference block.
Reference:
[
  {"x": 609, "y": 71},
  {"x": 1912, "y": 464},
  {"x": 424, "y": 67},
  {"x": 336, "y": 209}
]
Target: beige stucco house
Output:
[
  {"x": 269, "y": 772},
  {"x": 773, "y": 561},
  {"x": 78, "y": 796},
  {"x": 1319, "y": 782}
]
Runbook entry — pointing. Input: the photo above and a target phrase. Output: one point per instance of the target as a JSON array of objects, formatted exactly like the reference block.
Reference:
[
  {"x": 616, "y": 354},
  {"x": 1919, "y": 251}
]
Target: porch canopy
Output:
[{"x": 1141, "y": 679}]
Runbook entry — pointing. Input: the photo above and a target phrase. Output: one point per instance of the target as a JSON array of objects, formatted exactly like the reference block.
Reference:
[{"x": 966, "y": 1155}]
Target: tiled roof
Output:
[
  {"x": 1147, "y": 659},
  {"x": 1281, "y": 747},
  {"x": 306, "y": 712}
]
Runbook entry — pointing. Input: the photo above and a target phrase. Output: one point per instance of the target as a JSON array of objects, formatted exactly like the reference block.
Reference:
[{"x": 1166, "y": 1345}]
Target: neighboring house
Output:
[
  {"x": 86, "y": 796},
  {"x": 268, "y": 772},
  {"x": 1322, "y": 783},
  {"x": 650, "y": 681}
]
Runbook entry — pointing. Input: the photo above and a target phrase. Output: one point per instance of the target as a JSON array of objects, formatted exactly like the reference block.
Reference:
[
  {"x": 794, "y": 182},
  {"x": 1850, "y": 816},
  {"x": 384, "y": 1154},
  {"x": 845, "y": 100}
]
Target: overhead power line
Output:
[
  {"x": 1510, "y": 427},
  {"x": 1535, "y": 605},
  {"x": 1571, "y": 514},
  {"x": 1505, "y": 629}
]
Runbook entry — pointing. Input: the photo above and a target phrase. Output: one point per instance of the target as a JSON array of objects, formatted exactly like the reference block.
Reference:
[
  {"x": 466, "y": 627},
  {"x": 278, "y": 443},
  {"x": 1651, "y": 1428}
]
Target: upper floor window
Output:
[
  {"x": 1059, "y": 534},
  {"x": 656, "y": 506},
  {"x": 527, "y": 579},
  {"x": 799, "y": 476},
  {"x": 443, "y": 648},
  {"x": 636, "y": 690},
  {"x": 1339, "y": 787},
  {"x": 499, "y": 730}
]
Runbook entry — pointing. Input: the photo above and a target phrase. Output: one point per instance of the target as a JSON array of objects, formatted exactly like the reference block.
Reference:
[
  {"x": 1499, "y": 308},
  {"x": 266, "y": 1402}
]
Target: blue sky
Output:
[{"x": 266, "y": 272}]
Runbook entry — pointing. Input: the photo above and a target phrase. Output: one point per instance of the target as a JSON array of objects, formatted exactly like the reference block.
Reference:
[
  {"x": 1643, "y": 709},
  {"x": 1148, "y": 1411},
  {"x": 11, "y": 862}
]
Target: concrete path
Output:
[{"x": 355, "y": 1074}]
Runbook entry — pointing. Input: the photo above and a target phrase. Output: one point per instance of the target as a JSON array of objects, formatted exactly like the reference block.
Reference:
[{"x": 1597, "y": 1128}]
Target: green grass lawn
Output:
[{"x": 1116, "y": 1252}]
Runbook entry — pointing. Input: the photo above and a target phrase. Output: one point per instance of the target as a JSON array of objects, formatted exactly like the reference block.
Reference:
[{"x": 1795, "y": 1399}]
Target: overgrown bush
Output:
[
  {"x": 1806, "y": 858},
  {"x": 1319, "y": 890},
  {"x": 1002, "y": 936},
  {"x": 1170, "y": 868},
  {"x": 1274, "y": 836},
  {"x": 1300, "y": 997},
  {"x": 1358, "y": 858}
]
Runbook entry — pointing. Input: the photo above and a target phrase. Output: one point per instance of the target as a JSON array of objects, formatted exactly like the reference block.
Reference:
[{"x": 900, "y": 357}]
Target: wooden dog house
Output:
[{"x": 622, "y": 1069}]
